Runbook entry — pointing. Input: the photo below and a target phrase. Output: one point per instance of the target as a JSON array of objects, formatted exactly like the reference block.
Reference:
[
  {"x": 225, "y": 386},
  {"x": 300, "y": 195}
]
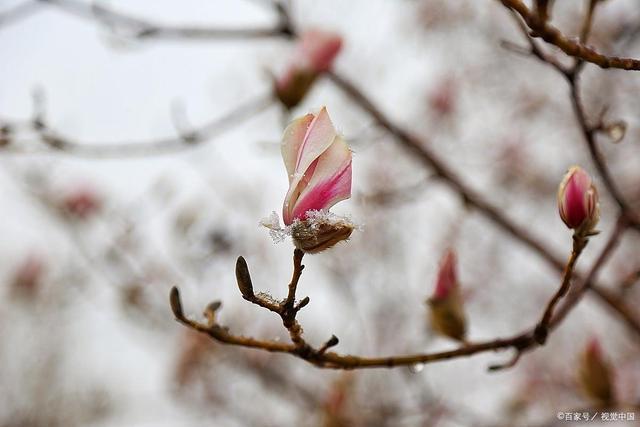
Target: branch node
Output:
[
  {"x": 210, "y": 313},
  {"x": 301, "y": 304},
  {"x": 331, "y": 342}
]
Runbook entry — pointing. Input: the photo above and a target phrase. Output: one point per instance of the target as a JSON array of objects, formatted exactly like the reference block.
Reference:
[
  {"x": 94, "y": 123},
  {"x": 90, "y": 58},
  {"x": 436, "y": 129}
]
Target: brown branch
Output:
[
  {"x": 420, "y": 149},
  {"x": 321, "y": 357},
  {"x": 588, "y": 131},
  {"x": 543, "y": 29},
  {"x": 588, "y": 282},
  {"x": 589, "y": 134},
  {"x": 542, "y": 328}
]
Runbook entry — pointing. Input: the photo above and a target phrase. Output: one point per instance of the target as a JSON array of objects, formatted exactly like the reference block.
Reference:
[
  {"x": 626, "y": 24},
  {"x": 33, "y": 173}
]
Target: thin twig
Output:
[
  {"x": 542, "y": 328},
  {"x": 57, "y": 141},
  {"x": 420, "y": 149},
  {"x": 142, "y": 29}
]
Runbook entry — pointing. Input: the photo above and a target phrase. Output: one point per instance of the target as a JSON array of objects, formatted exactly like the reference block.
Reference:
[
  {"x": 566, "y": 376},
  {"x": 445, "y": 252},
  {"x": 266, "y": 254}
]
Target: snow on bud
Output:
[
  {"x": 313, "y": 56},
  {"x": 318, "y": 163},
  {"x": 594, "y": 373},
  {"x": 446, "y": 308},
  {"x": 578, "y": 201}
]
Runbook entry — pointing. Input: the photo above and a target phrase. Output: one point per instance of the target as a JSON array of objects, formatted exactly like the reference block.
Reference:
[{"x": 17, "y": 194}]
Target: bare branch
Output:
[
  {"x": 57, "y": 141},
  {"x": 541, "y": 28},
  {"x": 141, "y": 29}
]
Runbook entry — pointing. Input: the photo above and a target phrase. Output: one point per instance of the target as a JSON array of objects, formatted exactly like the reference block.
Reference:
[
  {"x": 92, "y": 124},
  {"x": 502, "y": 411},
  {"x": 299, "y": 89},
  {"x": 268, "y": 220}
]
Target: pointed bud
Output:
[
  {"x": 176, "y": 304},
  {"x": 244, "y": 279},
  {"x": 314, "y": 55},
  {"x": 445, "y": 305},
  {"x": 595, "y": 374},
  {"x": 578, "y": 201}
]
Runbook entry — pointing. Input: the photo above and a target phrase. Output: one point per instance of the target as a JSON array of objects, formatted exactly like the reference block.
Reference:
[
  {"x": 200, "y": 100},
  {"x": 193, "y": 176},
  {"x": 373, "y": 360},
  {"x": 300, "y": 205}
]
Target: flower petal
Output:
[
  {"x": 447, "y": 279},
  {"x": 330, "y": 182},
  {"x": 292, "y": 141},
  {"x": 319, "y": 49},
  {"x": 573, "y": 197},
  {"x": 320, "y": 135}
]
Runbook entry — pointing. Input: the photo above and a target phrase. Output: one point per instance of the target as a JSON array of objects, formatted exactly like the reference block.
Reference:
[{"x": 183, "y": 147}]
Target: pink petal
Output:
[
  {"x": 319, "y": 136},
  {"x": 447, "y": 279},
  {"x": 319, "y": 49},
  {"x": 574, "y": 197},
  {"x": 292, "y": 141},
  {"x": 330, "y": 182}
]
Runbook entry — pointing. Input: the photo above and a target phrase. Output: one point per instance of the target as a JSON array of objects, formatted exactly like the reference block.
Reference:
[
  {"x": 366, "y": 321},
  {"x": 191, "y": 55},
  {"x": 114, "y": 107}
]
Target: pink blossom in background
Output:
[
  {"x": 28, "y": 274},
  {"x": 314, "y": 54},
  {"x": 446, "y": 308},
  {"x": 447, "y": 280},
  {"x": 595, "y": 374},
  {"x": 578, "y": 200},
  {"x": 81, "y": 203},
  {"x": 318, "y": 163}
]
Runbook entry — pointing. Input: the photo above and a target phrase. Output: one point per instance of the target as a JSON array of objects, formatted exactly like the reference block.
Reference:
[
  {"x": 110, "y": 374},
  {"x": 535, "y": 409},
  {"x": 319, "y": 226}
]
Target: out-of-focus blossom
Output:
[
  {"x": 336, "y": 402},
  {"x": 445, "y": 304},
  {"x": 313, "y": 56},
  {"x": 28, "y": 276},
  {"x": 81, "y": 203},
  {"x": 578, "y": 201},
  {"x": 443, "y": 98},
  {"x": 595, "y": 374}
]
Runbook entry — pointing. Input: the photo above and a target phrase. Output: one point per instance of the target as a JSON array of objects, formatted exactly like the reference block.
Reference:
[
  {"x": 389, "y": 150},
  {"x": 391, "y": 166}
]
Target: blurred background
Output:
[{"x": 93, "y": 239}]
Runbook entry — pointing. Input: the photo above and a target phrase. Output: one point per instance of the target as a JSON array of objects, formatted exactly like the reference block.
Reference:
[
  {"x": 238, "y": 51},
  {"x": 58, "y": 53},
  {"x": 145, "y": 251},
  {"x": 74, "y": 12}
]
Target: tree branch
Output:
[
  {"x": 190, "y": 138},
  {"x": 420, "y": 149},
  {"x": 541, "y": 28},
  {"x": 320, "y": 357},
  {"x": 142, "y": 29}
]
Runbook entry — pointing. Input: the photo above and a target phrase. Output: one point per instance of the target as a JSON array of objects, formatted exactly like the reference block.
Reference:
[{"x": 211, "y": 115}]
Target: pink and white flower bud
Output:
[
  {"x": 578, "y": 201},
  {"x": 313, "y": 56},
  {"x": 446, "y": 307},
  {"x": 318, "y": 163},
  {"x": 595, "y": 374}
]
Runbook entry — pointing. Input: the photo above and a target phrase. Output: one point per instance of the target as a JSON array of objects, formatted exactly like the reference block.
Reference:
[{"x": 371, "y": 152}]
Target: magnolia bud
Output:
[
  {"x": 446, "y": 307},
  {"x": 314, "y": 55},
  {"x": 595, "y": 374},
  {"x": 318, "y": 233},
  {"x": 318, "y": 163},
  {"x": 578, "y": 201}
]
